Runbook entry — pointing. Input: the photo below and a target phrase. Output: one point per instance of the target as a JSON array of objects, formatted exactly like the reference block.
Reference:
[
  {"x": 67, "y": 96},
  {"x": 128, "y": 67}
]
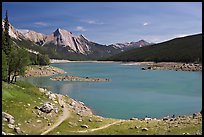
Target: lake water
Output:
[{"x": 132, "y": 92}]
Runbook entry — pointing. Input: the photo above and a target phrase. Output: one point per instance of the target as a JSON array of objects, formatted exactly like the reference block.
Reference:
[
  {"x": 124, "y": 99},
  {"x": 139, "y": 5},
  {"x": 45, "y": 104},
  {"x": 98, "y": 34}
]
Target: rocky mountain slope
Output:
[
  {"x": 129, "y": 45},
  {"x": 62, "y": 44}
]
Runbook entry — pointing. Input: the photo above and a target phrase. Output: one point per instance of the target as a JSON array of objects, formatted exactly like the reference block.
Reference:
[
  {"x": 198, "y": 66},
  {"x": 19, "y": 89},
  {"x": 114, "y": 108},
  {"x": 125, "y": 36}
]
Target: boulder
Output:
[
  {"x": 52, "y": 96},
  {"x": 9, "y": 117},
  {"x": 47, "y": 107}
]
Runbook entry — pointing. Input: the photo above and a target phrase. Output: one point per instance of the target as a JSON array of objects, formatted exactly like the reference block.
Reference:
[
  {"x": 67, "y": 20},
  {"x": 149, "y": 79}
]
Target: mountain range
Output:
[
  {"x": 62, "y": 44},
  {"x": 183, "y": 49}
]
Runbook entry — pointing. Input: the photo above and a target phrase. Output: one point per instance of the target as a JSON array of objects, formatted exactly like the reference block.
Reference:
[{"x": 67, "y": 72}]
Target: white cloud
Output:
[
  {"x": 80, "y": 28},
  {"x": 145, "y": 23},
  {"x": 93, "y": 22},
  {"x": 41, "y": 24}
]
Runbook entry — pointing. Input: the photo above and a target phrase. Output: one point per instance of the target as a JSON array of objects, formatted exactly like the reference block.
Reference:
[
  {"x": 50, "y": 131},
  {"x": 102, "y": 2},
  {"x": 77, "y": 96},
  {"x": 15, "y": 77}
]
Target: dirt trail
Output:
[
  {"x": 61, "y": 118},
  {"x": 94, "y": 129}
]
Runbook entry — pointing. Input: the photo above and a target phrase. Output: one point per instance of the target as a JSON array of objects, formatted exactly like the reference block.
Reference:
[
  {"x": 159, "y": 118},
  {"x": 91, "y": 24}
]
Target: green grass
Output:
[{"x": 15, "y": 100}]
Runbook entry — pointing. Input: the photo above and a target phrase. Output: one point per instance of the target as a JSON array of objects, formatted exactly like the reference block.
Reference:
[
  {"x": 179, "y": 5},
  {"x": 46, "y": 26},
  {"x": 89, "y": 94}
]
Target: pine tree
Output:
[
  {"x": 6, "y": 38},
  {"x": 4, "y": 66}
]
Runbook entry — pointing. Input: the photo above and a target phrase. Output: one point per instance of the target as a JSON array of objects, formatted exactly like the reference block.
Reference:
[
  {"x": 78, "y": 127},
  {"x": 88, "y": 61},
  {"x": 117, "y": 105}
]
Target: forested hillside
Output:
[{"x": 185, "y": 49}]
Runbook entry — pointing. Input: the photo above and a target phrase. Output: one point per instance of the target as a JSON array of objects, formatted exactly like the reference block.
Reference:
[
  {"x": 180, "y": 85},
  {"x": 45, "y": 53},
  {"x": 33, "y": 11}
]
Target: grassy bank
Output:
[{"x": 21, "y": 98}]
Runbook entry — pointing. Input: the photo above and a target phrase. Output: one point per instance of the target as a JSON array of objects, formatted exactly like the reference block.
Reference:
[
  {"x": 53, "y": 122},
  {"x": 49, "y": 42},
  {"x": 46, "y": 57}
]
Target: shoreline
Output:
[
  {"x": 38, "y": 71},
  {"x": 91, "y": 111},
  {"x": 123, "y": 63}
]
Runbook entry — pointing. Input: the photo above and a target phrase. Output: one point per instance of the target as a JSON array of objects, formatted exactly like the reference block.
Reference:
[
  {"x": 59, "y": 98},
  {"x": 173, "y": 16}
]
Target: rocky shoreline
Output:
[
  {"x": 174, "y": 66},
  {"x": 42, "y": 71},
  {"x": 81, "y": 109},
  {"x": 74, "y": 78}
]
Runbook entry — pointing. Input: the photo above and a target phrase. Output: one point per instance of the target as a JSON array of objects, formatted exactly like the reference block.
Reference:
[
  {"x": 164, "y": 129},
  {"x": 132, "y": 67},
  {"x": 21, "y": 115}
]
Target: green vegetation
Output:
[
  {"x": 4, "y": 66},
  {"x": 19, "y": 100},
  {"x": 16, "y": 58},
  {"x": 19, "y": 59},
  {"x": 186, "y": 49}
]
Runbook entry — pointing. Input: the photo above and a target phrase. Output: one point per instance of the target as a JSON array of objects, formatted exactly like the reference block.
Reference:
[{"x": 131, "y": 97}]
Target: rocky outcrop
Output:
[
  {"x": 174, "y": 66},
  {"x": 74, "y": 78},
  {"x": 80, "y": 108}
]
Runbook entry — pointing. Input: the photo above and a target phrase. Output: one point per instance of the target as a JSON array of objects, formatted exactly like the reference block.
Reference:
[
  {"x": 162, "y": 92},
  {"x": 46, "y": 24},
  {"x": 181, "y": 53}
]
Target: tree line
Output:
[{"x": 14, "y": 58}]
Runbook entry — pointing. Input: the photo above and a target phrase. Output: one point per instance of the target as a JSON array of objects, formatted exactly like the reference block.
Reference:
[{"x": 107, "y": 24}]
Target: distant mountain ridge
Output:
[
  {"x": 183, "y": 49},
  {"x": 129, "y": 45}
]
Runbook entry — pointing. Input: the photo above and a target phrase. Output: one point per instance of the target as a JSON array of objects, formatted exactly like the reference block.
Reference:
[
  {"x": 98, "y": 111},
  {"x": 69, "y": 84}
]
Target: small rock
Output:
[
  {"x": 28, "y": 104},
  {"x": 73, "y": 104},
  {"x": 165, "y": 118},
  {"x": 100, "y": 120},
  {"x": 84, "y": 126},
  {"x": 90, "y": 120},
  {"x": 52, "y": 96},
  {"x": 10, "y": 134},
  {"x": 145, "y": 129},
  {"x": 39, "y": 121},
  {"x": 147, "y": 118},
  {"x": 17, "y": 130},
  {"x": 80, "y": 120},
  {"x": 49, "y": 124},
  {"x": 56, "y": 110},
  {"x": 4, "y": 119},
  {"x": 3, "y": 133},
  {"x": 133, "y": 118},
  {"x": 19, "y": 124},
  {"x": 11, "y": 126},
  {"x": 185, "y": 133}
]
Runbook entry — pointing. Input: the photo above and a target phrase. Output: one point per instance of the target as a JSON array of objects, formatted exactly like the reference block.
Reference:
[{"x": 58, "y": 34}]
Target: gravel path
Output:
[
  {"x": 61, "y": 118},
  {"x": 95, "y": 129}
]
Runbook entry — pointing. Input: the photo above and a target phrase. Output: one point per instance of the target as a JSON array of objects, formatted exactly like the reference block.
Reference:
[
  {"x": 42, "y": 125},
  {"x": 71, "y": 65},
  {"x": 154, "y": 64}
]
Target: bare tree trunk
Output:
[
  {"x": 15, "y": 78},
  {"x": 14, "y": 75}
]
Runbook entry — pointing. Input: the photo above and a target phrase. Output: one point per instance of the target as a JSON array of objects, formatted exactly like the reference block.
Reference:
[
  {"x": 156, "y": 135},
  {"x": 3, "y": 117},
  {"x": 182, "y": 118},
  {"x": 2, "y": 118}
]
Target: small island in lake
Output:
[{"x": 75, "y": 78}]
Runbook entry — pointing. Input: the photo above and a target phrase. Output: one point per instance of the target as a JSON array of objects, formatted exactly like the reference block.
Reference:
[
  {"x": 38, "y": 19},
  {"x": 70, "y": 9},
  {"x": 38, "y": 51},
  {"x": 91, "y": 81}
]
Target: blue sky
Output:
[{"x": 109, "y": 22}]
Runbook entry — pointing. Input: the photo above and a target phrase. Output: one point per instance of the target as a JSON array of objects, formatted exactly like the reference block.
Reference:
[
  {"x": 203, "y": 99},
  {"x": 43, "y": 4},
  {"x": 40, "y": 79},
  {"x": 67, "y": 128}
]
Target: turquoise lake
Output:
[{"x": 132, "y": 92}]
